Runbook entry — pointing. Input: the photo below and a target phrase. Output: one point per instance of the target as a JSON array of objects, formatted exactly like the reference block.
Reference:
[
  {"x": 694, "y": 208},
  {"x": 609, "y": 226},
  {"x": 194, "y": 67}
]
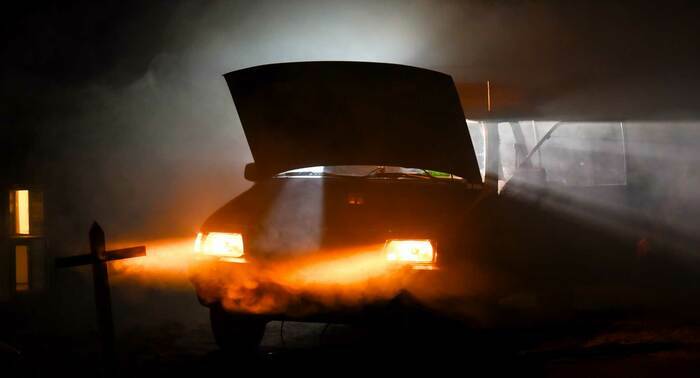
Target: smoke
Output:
[
  {"x": 334, "y": 279},
  {"x": 294, "y": 221},
  {"x": 151, "y": 148},
  {"x": 632, "y": 178},
  {"x": 349, "y": 277},
  {"x": 165, "y": 266},
  {"x": 664, "y": 175},
  {"x": 327, "y": 280},
  {"x": 154, "y": 156}
]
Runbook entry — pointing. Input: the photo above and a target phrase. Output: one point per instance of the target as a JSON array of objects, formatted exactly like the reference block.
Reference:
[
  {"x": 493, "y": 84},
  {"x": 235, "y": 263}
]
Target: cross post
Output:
[{"x": 98, "y": 258}]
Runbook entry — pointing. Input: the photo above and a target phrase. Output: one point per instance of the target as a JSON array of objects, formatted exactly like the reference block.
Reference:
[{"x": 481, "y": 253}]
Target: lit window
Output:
[
  {"x": 21, "y": 268},
  {"x": 21, "y": 209}
]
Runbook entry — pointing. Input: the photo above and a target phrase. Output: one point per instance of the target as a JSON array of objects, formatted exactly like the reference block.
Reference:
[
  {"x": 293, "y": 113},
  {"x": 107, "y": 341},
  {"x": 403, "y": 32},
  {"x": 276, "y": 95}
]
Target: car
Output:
[{"x": 365, "y": 189}]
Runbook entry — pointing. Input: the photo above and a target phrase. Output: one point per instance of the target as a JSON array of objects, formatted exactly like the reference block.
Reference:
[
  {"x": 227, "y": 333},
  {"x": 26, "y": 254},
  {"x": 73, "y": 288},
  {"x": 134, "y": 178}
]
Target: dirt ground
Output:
[
  {"x": 176, "y": 349},
  {"x": 166, "y": 333}
]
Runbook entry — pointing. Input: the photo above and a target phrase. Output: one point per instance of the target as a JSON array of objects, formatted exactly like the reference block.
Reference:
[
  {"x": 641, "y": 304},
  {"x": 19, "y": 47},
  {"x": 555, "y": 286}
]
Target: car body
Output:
[{"x": 351, "y": 159}]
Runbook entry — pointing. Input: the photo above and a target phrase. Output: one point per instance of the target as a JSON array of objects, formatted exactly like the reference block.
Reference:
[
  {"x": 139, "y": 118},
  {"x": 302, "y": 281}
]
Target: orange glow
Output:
[
  {"x": 300, "y": 284},
  {"x": 220, "y": 244},
  {"x": 21, "y": 268},
  {"x": 198, "y": 242},
  {"x": 345, "y": 277},
  {"x": 343, "y": 268},
  {"x": 166, "y": 262},
  {"x": 22, "y": 212},
  {"x": 413, "y": 251}
]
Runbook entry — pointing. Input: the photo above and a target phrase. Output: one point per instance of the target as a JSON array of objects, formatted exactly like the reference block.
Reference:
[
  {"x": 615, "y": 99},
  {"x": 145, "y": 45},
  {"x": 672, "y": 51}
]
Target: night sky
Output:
[{"x": 120, "y": 112}]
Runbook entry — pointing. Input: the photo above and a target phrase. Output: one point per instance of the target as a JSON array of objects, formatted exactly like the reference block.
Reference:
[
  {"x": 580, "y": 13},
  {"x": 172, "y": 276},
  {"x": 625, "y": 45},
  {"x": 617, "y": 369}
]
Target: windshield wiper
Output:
[
  {"x": 310, "y": 174},
  {"x": 382, "y": 174},
  {"x": 539, "y": 144}
]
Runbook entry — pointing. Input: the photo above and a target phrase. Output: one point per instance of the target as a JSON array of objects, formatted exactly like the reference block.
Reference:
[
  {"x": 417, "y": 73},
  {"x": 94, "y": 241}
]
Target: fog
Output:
[
  {"x": 150, "y": 144},
  {"x": 155, "y": 150}
]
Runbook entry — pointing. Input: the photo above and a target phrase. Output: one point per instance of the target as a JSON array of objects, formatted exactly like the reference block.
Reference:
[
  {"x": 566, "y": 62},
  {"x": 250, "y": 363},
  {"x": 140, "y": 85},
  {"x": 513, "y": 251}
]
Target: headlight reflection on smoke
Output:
[
  {"x": 410, "y": 251},
  {"x": 343, "y": 268},
  {"x": 329, "y": 278},
  {"x": 166, "y": 262},
  {"x": 222, "y": 244}
]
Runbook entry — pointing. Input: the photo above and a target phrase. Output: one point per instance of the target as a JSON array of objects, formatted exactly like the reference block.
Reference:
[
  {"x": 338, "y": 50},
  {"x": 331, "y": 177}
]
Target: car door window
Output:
[
  {"x": 585, "y": 154},
  {"x": 573, "y": 154}
]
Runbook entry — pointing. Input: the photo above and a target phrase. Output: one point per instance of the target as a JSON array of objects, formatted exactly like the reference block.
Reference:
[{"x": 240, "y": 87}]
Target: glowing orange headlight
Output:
[
  {"x": 410, "y": 251},
  {"x": 222, "y": 244}
]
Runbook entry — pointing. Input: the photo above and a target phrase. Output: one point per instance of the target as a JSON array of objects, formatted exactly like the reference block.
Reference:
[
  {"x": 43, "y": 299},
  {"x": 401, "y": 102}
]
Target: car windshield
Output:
[{"x": 369, "y": 171}]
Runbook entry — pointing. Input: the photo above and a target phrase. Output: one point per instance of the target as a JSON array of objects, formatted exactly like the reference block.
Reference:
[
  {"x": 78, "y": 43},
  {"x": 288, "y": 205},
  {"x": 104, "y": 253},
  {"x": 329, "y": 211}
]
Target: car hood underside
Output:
[{"x": 308, "y": 114}]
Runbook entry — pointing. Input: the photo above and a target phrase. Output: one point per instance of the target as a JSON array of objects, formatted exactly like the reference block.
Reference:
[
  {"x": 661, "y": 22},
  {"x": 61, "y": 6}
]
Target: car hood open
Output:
[{"x": 308, "y": 114}]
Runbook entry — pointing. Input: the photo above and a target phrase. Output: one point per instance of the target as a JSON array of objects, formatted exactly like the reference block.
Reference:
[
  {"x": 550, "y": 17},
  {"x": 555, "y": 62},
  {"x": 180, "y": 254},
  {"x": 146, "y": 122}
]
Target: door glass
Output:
[{"x": 585, "y": 154}]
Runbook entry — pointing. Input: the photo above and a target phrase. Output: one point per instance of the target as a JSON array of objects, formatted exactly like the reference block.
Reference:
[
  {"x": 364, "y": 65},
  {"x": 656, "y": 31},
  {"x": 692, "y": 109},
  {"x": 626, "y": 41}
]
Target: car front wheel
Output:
[{"x": 236, "y": 332}]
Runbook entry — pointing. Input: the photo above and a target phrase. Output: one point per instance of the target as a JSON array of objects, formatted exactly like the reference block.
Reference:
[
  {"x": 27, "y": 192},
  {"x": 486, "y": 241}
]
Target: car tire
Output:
[{"x": 236, "y": 332}]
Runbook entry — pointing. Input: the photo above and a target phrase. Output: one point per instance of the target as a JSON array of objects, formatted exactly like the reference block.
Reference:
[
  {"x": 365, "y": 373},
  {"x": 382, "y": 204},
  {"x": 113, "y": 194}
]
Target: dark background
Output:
[{"x": 118, "y": 110}]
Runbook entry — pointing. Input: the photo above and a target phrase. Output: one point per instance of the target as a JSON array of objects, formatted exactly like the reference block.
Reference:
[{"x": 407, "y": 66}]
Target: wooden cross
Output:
[{"x": 98, "y": 258}]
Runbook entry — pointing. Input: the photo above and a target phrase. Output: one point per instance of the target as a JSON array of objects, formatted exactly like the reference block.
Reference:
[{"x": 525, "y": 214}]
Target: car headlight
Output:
[
  {"x": 221, "y": 244},
  {"x": 410, "y": 251}
]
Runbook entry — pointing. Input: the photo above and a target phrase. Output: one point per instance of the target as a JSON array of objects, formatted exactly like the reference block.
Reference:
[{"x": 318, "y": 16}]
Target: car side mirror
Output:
[{"x": 251, "y": 172}]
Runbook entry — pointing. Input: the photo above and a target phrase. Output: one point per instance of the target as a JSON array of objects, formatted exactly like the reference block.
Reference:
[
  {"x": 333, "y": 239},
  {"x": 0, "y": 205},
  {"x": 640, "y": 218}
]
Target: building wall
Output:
[{"x": 22, "y": 255}]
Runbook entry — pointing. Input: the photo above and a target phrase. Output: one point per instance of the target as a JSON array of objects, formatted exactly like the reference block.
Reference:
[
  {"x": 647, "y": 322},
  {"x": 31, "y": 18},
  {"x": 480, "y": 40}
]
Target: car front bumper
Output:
[{"x": 252, "y": 288}]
